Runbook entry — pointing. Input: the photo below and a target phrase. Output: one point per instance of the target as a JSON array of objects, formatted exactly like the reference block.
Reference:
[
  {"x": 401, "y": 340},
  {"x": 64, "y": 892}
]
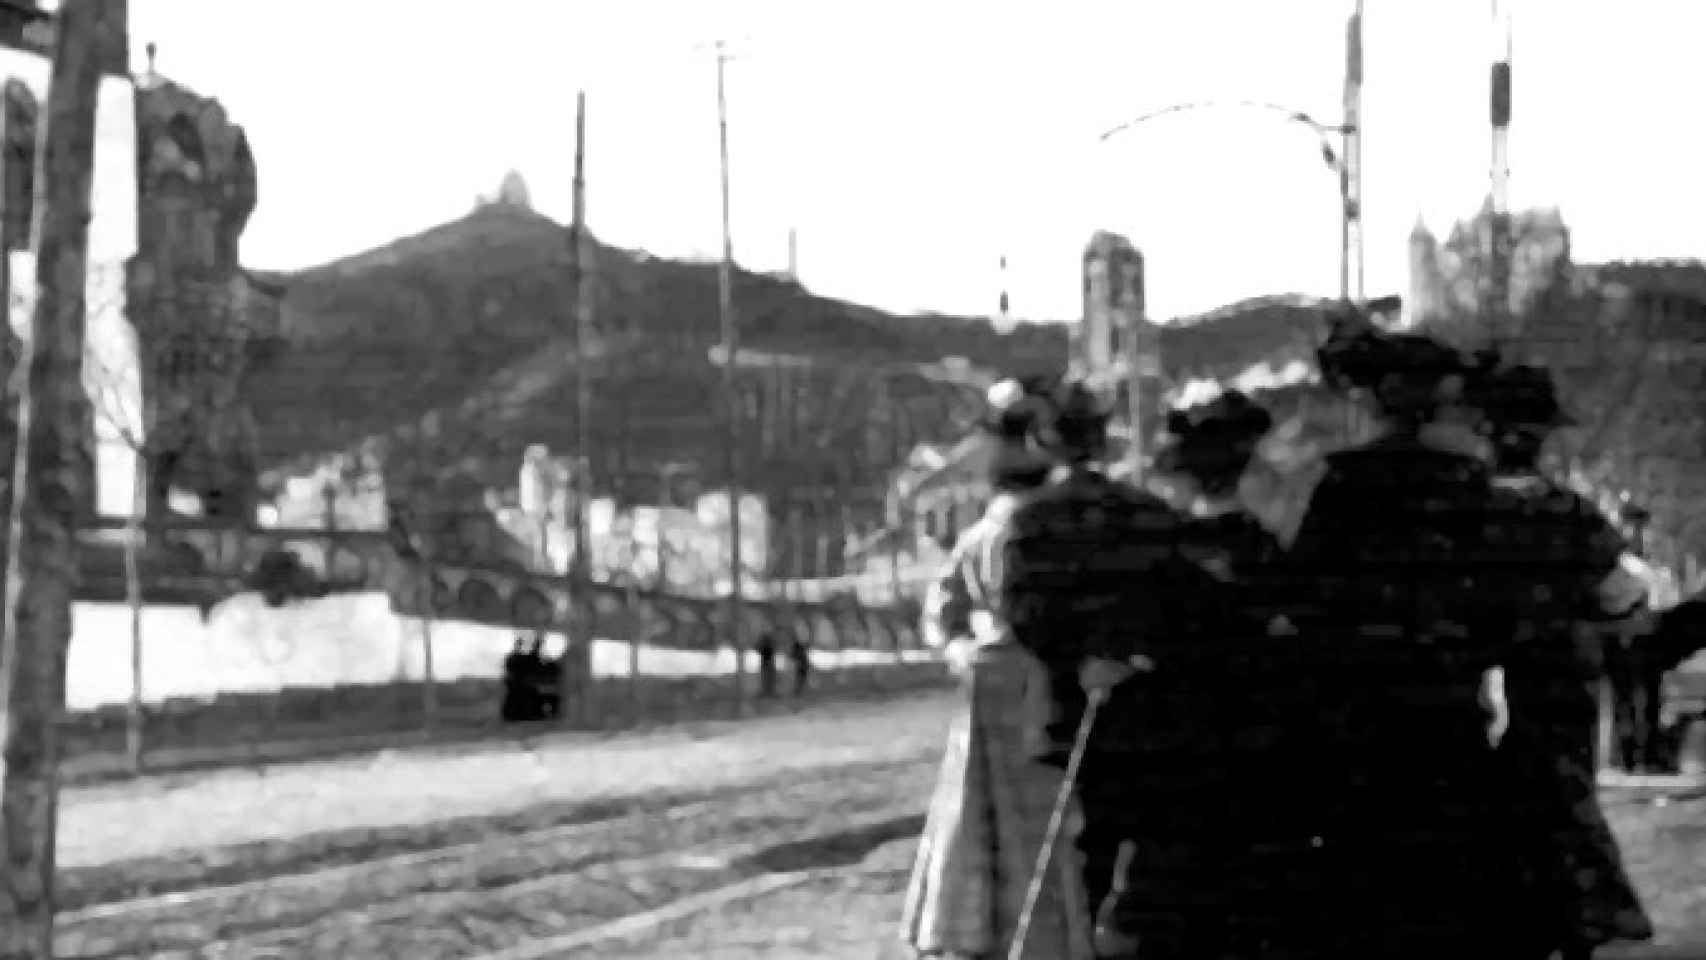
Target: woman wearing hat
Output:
[
  {"x": 1097, "y": 584},
  {"x": 992, "y": 802},
  {"x": 1203, "y": 715},
  {"x": 1404, "y": 639},
  {"x": 1566, "y": 566}
]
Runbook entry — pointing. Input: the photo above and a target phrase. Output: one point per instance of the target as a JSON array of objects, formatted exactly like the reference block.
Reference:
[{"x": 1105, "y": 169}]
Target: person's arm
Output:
[
  {"x": 1613, "y": 578},
  {"x": 1680, "y": 633},
  {"x": 947, "y": 601}
]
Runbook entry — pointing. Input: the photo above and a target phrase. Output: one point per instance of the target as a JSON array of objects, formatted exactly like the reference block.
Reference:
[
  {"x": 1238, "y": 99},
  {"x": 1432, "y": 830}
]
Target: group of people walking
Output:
[{"x": 1374, "y": 741}]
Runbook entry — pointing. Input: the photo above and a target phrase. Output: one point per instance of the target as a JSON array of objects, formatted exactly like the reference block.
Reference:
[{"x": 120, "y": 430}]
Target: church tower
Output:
[{"x": 1425, "y": 280}]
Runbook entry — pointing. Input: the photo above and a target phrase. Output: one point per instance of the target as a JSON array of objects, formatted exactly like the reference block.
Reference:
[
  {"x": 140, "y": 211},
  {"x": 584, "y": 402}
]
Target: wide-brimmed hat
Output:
[
  {"x": 1017, "y": 408},
  {"x": 1521, "y": 395},
  {"x": 1219, "y": 434},
  {"x": 1409, "y": 374},
  {"x": 1018, "y": 411},
  {"x": 1231, "y": 417},
  {"x": 1079, "y": 423}
]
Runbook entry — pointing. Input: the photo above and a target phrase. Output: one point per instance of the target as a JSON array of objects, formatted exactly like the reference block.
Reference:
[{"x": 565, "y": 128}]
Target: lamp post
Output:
[
  {"x": 1497, "y": 288},
  {"x": 1339, "y": 159}
]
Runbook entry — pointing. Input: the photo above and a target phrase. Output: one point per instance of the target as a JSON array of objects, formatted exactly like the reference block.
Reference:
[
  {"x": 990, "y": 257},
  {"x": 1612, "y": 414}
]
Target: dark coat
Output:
[
  {"x": 1557, "y": 552},
  {"x": 1392, "y": 580},
  {"x": 1090, "y": 568}
]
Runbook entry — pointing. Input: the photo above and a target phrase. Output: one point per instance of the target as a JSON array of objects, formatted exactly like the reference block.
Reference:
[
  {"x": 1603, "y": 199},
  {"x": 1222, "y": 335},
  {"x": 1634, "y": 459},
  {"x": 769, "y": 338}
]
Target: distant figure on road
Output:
[
  {"x": 530, "y": 682},
  {"x": 800, "y": 655},
  {"x": 767, "y": 665}
]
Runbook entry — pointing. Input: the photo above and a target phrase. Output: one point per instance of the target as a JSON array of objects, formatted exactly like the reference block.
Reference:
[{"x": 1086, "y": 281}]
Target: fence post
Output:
[
  {"x": 429, "y": 678},
  {"x": 636, "y": 626}
]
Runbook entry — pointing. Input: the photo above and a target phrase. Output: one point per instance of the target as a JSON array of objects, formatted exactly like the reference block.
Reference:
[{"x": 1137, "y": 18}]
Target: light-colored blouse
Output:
[{"x": 963, "y": 598}]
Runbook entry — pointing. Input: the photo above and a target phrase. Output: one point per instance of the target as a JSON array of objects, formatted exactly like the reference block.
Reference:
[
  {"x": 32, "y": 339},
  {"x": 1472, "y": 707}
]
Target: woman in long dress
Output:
[
  {"x": 1205, "y": 712},
  {"x": 990, "y": 810},
  {"x": 1405, "y": 634},
  {"x": 1567, "y": 573}
]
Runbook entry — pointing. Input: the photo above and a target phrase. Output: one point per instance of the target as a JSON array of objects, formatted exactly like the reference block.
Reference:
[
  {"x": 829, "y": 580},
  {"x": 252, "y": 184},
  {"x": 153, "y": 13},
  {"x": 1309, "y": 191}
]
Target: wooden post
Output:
[
  {"x": 575, "y": 673},
  {"x": 52, "y": 475},
  {"x": 135, "y": 717},
  {"x": 429, "y": 678},
  {"x": 631, "y": 598},
  {"x": 732, "y": 407}
]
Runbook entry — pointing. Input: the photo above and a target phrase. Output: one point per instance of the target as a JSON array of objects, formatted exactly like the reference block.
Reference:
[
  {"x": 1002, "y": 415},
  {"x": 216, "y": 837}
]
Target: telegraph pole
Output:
[
  {"x": 731, "y": 398},
  {"x": 1497, "y": 307},
  {"x": 1350, "y": 165},
  {"x": 581, "y": 579},
  {"x": 52, "y": 475}
]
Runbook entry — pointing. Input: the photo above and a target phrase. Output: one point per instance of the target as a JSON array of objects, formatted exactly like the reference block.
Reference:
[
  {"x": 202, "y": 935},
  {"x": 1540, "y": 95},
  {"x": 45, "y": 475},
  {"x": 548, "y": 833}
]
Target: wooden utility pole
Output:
[
  {"x": 52, "y": 474},
  {"x": 1497, "y": 285},
  {"x": 1350, "y": 165},
  {"x": 731, "y": 396},
  {"x": 577, "y": 653}
]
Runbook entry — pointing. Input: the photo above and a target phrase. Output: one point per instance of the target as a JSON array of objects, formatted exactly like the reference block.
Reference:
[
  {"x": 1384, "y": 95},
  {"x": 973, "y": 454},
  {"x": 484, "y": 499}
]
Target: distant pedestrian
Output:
[
  {"x": 767, "y": 665},
  {"x": 530, "y": 682},
  {"x": 800, "y": 653}
]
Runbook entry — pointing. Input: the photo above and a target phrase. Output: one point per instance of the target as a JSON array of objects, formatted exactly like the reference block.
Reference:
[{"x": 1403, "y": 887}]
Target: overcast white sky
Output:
[{"x": 913, "y": 142}]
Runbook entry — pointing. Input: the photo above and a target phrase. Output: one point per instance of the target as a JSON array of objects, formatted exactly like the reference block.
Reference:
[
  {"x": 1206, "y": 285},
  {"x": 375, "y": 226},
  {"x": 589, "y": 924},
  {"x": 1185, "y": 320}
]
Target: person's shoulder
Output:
[
  {"x": 1093, "y": 498},
  {"x": 1555, "y": 503},
  {"x": 1410, "y": 452}
]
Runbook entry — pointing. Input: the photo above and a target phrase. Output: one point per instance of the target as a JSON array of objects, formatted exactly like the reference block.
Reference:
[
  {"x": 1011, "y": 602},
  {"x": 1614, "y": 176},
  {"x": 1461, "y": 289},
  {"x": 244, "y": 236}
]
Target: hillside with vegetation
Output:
[{"x": 458, "y": 343}]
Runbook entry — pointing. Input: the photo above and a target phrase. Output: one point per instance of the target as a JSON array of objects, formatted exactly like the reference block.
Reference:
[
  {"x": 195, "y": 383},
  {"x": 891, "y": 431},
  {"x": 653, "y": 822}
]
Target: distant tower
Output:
[
  {"x": 794, "y": 254},
  {"x": 1424, "y": 297},
  {"x": 513, "y": 192},
  {"x": 1005, "y": 304}
]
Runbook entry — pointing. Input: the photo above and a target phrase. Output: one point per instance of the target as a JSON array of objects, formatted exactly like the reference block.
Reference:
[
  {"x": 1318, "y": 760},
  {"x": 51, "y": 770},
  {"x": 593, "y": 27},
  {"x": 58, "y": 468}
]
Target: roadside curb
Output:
[{"x": 106, "y": 769}]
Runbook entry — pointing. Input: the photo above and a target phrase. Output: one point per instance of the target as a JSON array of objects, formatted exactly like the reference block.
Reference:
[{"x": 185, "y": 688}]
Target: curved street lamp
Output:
[{"x": 1336, "y": 158}]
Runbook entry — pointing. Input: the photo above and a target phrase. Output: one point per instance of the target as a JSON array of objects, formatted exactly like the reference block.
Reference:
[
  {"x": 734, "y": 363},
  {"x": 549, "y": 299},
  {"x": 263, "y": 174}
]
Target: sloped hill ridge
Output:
[
  {"x": 470, "y": 324},
  {"x": 1225, "y": 342}
]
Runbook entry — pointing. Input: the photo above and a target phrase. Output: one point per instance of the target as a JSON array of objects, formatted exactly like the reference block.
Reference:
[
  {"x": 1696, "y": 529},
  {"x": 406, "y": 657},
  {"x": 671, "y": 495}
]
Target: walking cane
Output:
[{"x": 1056, "y": 820}]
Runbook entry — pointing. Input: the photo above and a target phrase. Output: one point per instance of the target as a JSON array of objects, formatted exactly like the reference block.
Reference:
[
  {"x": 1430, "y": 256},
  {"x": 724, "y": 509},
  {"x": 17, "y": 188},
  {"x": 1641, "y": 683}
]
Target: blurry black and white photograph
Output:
[{"x": 805, "y": 480}]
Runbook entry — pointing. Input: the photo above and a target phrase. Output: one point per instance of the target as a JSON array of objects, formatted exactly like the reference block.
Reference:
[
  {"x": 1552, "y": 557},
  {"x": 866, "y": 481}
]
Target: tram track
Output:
[{"x": 490, "y": 894}]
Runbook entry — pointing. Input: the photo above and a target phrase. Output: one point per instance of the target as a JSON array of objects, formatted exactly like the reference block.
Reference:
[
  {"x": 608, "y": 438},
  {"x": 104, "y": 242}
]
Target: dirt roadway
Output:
[
  {"x": 854, "y": 917},
  {"x": 460, "y": 902},
  {"x": 103, "y": 824}
]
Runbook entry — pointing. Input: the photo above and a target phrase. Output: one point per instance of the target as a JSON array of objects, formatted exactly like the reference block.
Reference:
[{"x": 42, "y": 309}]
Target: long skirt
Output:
[
  {"x": 986, "y": 821},
  {"x": 1584, "y": 895}
]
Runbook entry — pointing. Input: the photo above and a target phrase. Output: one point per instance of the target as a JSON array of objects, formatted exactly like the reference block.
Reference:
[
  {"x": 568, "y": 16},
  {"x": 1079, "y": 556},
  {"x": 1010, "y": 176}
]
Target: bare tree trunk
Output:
[{"x": 51, "y": 478}]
